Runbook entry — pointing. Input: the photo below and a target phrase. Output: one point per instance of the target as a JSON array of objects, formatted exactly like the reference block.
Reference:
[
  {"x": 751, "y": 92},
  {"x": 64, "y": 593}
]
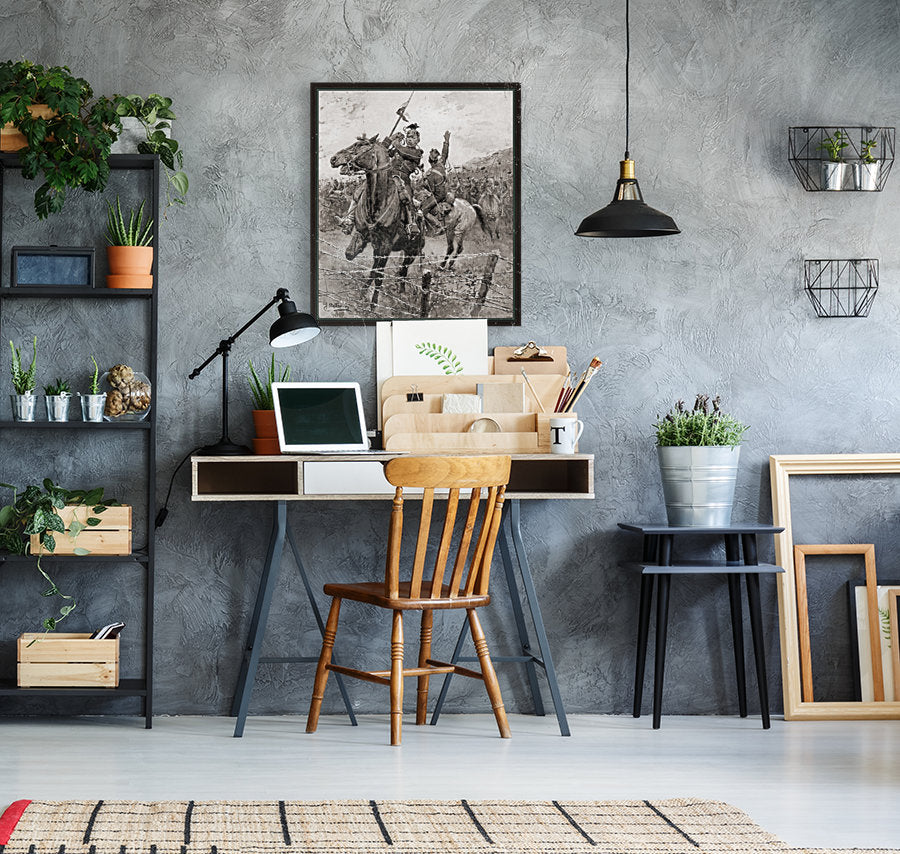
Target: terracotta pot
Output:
[
  {"x": 266, "y": 446},
  {"x": 130, "y": 260},
  {"x": 264, "y": 424},
  {"x": 129, "y": 282},
  {"x": 12, "y": 139}
]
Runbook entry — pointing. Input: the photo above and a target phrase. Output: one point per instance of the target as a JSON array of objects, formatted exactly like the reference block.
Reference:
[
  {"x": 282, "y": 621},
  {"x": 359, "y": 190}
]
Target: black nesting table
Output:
[{"x": 658, "y": 563}]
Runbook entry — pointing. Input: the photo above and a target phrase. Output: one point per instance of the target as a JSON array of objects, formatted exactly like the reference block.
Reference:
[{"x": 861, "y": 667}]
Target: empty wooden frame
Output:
[
  {"x": 867, "y": 550},
  {"x": 782, "y": 468},
  {"x": 893, "y": 596}
]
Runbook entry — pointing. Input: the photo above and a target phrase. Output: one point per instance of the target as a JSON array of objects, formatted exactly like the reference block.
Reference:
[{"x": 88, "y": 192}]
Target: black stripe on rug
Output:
[
  {"x": 476, "y": 822},
  {"x": 672, "y": 824},
  {"x": 384, "y": 830},
  {"x": 90, "y": 825},
  {"x": 187, "y": 824},
  {"x": 574, "y": 823},
  {"x": 285, "y": 832}
]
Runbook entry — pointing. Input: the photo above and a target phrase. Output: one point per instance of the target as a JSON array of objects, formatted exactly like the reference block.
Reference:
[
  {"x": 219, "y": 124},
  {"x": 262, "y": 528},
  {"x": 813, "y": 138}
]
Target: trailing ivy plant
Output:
[
  {"x": 703, "y": 425},
  {"x": 262, "y": 390},
  {"x": 35, "y": 511}
]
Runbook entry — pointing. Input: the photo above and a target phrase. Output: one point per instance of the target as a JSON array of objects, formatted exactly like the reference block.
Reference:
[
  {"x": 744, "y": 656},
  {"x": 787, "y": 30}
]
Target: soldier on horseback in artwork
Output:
[
  {"x": 406, "y": 159},
  {"x": 440, "y": 200}
]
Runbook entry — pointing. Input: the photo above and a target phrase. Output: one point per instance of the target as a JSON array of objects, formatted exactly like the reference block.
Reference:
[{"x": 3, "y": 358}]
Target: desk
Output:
[{"x": 344, "y": 477}]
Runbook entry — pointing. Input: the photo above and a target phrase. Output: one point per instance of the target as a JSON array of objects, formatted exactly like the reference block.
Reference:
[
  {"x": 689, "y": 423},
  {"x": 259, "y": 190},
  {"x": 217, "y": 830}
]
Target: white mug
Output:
[{"x": 564, "y": 435}]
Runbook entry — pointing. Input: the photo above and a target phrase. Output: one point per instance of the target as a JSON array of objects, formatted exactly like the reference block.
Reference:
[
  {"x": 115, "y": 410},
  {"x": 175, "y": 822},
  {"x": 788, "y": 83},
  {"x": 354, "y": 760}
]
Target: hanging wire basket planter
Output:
[
  {"x": 842, "y": 158},
  {"x": 841, "y": 288}
]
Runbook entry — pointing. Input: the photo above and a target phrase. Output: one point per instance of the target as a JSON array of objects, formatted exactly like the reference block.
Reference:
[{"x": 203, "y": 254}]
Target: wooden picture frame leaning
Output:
[
  {"x": 893, "y": 607},
  {"x": 782, "y": 467}
]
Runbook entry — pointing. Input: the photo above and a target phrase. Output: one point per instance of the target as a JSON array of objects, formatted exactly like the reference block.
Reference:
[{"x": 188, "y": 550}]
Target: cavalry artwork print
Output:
[{"x": 415, "y": 202}]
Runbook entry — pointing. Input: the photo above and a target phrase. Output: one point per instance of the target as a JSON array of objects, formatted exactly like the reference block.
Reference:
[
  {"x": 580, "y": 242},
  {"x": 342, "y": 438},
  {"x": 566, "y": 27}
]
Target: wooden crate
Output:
[
  {"x": 111, "y": 537},
  {"x": 67, "y": 660}
]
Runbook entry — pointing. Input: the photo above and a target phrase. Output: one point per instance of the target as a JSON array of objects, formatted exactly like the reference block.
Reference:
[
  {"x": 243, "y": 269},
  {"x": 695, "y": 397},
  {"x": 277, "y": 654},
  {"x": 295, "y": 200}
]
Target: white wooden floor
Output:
[{"x": 833, "y": 784}]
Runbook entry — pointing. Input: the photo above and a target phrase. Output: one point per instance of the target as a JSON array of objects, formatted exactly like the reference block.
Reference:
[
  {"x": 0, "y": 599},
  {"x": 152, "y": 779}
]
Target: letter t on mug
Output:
[{"x": 564, "y": 434}]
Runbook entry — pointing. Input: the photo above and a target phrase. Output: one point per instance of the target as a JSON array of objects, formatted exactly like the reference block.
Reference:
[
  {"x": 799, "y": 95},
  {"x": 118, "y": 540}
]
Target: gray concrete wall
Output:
[{"x": 719, "y": 308}]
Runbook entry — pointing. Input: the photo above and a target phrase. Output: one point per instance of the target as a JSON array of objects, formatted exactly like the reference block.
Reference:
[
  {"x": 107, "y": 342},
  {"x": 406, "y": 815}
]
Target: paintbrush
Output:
[
  {"x": 530, "y": 386},
  {"x": 588, "y": 374}
]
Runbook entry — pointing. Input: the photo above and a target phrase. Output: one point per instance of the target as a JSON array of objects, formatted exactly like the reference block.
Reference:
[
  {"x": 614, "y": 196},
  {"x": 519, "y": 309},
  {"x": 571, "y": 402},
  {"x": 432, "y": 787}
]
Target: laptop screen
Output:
[{"x": 319, "y": 417}]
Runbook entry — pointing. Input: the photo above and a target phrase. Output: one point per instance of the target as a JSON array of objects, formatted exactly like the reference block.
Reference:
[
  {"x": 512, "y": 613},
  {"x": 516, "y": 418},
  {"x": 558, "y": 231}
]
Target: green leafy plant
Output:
[
  {"x": 867, "y": 146},
  {"x": 135, "y": 233},
  {"x": 95, "y": 378},
  {"x": 35, "y": 511},
  {"x": 59, "y": 387},
  {"x": 444, "y": 356},
  {"x": 70, "y": 149},
  {"x": 262, "y": 390},
  {"x": 23, "y": 380},
  {"x": 834, "y": 145},
  {"x": 702, "y": 425},
  {"x": 155, "y": 114}
]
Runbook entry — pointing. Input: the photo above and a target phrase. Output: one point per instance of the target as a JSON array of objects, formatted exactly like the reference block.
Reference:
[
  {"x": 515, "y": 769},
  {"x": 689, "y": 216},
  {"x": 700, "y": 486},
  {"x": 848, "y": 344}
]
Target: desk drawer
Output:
[{"x": 350, "y": 477}]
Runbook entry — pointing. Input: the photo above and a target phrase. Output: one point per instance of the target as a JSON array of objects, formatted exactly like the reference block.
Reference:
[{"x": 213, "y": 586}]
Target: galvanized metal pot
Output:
[
  {"x": 92, "y": 406},
  {"x": 23, "y": 406},
  {"x": 865, "y": 176},
  {"x": 833, "y": 175},
  {"x": 58, "y": 406},
  {"x": 698, "y": 484}
]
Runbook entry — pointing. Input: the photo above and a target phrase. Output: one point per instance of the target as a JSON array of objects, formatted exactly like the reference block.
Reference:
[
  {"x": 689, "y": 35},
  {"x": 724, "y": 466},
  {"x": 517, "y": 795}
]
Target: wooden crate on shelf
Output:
[
  {"x": 67, "y": 660},
  {"x": 111, "y": 537}
]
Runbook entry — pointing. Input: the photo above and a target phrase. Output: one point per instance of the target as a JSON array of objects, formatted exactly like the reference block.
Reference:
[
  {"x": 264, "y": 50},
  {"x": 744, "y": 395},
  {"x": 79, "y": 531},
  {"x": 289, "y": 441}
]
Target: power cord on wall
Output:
[{"x": 164, "y": 510}]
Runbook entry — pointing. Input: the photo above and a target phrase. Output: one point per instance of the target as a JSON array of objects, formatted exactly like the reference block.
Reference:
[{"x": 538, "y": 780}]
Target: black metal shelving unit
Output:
[{"x": 142, "y": 687}]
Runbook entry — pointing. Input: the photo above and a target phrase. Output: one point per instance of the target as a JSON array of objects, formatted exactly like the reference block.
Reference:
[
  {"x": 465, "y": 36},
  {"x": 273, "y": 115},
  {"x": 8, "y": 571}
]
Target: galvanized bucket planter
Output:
[{"x": 698, "y": 484}]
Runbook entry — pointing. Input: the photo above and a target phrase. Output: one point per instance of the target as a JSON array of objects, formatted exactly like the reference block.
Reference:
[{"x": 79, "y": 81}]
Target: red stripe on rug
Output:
[{"x": 10, "y": 819}]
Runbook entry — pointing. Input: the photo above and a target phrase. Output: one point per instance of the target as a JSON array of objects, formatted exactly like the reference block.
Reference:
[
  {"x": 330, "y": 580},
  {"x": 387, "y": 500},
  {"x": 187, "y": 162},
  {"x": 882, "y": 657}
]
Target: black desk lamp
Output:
[{"x": 292, "y": 327}]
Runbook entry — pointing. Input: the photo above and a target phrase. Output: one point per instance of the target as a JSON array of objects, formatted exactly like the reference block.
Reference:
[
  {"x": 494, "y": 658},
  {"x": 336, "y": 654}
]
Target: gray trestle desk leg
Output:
[
  {"x": 733, "y": 556},
  {"x": 640, "y": 664},
  {"x": 662, "y": 619}
]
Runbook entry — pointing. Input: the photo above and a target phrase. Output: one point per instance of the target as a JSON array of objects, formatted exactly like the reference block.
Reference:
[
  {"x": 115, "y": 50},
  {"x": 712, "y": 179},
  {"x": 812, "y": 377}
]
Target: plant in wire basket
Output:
[{"x": 704, "y": 425}]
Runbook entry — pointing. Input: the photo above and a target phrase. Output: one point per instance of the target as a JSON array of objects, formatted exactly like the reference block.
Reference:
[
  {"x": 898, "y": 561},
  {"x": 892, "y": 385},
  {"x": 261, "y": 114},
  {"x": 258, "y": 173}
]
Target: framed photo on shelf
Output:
[
  {"x": 415, "y": 202},
  {"x": 52, "y": 266}
]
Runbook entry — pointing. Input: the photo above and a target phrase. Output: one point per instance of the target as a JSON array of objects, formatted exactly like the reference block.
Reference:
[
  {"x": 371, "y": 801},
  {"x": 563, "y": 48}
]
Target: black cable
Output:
[
  {"x": 164, "y": 510},
  {"x": 627, "y": 61}
]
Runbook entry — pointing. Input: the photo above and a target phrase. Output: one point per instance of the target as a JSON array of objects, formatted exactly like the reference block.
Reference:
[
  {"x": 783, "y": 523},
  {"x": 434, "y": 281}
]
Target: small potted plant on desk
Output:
[
  {"x": 93, "y": 402},
  {"x": 24, "y": 384},
  {"x": 129, "y": 253},
  {"x": 698, "y": 452},
  {"x": 834, "y": 169},
  {"x": 57, "y": 398},
  {"x": 266, "y": 440}
]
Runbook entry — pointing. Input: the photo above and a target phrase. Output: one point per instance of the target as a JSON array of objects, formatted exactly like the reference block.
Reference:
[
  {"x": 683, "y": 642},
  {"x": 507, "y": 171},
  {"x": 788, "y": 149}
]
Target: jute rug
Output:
[{"x": 684, "y": 826}]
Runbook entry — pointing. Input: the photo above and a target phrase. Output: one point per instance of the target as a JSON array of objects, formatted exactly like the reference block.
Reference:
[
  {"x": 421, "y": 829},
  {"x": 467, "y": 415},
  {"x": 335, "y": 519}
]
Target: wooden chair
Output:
[{"x": 467, "y": 587}]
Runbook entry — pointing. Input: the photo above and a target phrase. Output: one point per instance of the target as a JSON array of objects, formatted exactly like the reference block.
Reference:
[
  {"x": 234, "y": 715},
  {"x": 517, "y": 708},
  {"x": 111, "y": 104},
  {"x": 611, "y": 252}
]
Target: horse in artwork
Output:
[
  {"x": 489, "y": 203},
  {"x": 378, "y": 216},
  {"x": 457, "y": 225}
]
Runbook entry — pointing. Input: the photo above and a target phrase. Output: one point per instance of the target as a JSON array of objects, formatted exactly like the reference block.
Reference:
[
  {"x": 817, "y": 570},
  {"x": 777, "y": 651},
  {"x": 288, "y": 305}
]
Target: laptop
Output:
[{"x": 320, "y": 418}]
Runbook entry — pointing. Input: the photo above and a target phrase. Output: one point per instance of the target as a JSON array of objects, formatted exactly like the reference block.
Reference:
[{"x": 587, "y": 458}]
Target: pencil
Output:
[{"x": 533, "y": 391}]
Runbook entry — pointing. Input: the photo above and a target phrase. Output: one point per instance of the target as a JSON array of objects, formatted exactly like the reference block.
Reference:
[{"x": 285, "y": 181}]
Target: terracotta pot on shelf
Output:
[
  {"x": 266, "y": 440},
  {"x": 129, "y": 266},
  {"x": 12, "y": 139}
]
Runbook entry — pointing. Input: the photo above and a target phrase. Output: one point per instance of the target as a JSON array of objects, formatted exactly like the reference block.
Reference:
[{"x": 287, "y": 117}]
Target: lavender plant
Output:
[{"x": 706, "y": 424}]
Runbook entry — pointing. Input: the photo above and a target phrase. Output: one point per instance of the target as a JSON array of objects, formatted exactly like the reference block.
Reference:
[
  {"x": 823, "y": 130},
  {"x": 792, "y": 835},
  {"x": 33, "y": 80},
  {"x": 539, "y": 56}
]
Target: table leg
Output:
[
  {"x": 748, "y": 541},
  {"x": 317, "y": 614},
  {"x": 253, "y": 648},
  {"x": 643, "y": 632},
  {"x": 733, "y": 556},
  {"x": 662, "y": 617}
]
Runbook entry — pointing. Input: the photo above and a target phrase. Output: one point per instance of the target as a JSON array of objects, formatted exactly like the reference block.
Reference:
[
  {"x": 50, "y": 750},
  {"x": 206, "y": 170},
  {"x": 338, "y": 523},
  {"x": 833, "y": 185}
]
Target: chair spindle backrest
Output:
[{"x": 458, "y": 475}]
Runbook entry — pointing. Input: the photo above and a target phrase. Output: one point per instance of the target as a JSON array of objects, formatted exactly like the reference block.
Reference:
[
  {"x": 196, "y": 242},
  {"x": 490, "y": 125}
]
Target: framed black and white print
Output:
[{"x": 415, "y": 202}]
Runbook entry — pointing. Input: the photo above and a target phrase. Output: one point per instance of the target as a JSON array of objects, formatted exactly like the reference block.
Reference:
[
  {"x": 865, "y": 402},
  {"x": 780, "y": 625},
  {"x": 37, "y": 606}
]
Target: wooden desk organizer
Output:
[
  {"x": 67, "y": 660},
  {"x": 111, "y": 537},
  {"x": 420, "y": 426}
]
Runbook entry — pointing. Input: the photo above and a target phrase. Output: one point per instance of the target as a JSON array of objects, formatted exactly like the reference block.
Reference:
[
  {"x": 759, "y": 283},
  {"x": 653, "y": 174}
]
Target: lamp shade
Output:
[
  {"x": 627, "y": 215},
  {"x": 292, "y": 327}
]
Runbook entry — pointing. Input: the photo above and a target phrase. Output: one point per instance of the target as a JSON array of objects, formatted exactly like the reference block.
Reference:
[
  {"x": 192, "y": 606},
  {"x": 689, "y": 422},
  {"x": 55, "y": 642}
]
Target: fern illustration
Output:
[
  {"x": 444, "y": 356},
  {"x": 885, "y": 621}
]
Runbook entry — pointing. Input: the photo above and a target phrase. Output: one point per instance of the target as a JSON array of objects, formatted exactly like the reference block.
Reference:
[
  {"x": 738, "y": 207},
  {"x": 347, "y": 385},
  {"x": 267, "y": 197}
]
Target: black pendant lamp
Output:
[{"x": 627, "y": 215}]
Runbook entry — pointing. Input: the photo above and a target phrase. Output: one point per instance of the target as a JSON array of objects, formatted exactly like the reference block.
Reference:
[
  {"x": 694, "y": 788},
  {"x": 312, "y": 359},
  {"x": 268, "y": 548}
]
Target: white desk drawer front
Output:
[{"x": 350, "y": 477}]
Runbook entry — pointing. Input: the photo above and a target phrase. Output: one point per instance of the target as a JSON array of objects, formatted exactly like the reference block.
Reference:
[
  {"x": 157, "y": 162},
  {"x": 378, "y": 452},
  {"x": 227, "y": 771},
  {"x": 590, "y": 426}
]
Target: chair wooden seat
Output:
[
  {"x": 372, "y": 592},
  {"x": 473, "y": 546}
]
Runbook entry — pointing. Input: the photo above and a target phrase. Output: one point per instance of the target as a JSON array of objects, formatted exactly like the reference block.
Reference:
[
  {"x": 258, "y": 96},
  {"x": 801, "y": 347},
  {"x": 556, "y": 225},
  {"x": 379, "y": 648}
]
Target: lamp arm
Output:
[{"x": 226, "y": 344}]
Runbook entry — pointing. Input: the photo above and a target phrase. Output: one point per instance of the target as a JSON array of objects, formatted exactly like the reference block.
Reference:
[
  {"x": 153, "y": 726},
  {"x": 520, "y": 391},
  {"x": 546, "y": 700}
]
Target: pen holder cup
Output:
[{"x": 545, "y": 437}]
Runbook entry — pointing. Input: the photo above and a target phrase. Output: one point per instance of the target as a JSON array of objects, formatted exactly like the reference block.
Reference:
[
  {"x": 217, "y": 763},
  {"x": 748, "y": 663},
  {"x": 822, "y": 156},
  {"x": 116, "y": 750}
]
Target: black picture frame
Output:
[
  {"x": 485, "y": 280},
  {"x": 52, "y": 267}
]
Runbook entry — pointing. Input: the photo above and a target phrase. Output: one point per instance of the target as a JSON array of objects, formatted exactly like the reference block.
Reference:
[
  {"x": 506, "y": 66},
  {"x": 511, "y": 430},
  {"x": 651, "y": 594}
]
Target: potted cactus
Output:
[
  {"x": 266, "y": 440},
  {"x": 834, "y": 169},
  {"x": 93, "y": 402},
  {"x": 57, "y": 397},
  {"x": 24, "y": 384},
  {"x": 129, "y": 253}
]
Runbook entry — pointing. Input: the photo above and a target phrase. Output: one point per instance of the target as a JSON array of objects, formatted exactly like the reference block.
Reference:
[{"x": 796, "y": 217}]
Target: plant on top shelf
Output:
[
  {"x": 24, "y": 383},
  {"x": 865, "y": 173},
  {"x": 69, "y": 142},
  {"x": 834, "y": 169},
  {"x": 834, "y": 146},
  {"x": 34, "y": 511},
  {"x": 154, "y": 114},
  {"x": 698, "y": 452},
  {"x": 266, "y": 439},
  {"x": 133, "y": 234},
  {"x": 867, "y": 145},
  {"x": 129, "y": 252}
]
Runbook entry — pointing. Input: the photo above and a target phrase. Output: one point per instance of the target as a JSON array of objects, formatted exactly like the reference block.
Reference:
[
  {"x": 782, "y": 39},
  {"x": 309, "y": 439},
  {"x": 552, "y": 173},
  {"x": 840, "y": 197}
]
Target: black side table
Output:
[{"x": 657, "y": 563}]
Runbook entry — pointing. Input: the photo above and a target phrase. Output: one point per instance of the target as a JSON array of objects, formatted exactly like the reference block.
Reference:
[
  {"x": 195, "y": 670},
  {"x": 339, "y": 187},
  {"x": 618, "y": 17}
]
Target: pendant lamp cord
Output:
[{"x": 627, "y": 61}]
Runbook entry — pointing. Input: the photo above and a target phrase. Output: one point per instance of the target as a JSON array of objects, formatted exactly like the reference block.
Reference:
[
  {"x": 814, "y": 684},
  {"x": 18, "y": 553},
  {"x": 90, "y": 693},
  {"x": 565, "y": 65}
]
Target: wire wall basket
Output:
[
  {"x": 842, "y": 158},
  {"x": 841, "y": 288}
]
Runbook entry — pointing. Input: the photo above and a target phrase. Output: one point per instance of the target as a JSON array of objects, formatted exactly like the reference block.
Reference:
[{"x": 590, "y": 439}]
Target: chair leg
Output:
[
  {"x": 487, "y": 671},
  {"x": 396, "y": 677},
  {"x": 328, "y": 637},
  {"x": 424, "y": 655}
]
